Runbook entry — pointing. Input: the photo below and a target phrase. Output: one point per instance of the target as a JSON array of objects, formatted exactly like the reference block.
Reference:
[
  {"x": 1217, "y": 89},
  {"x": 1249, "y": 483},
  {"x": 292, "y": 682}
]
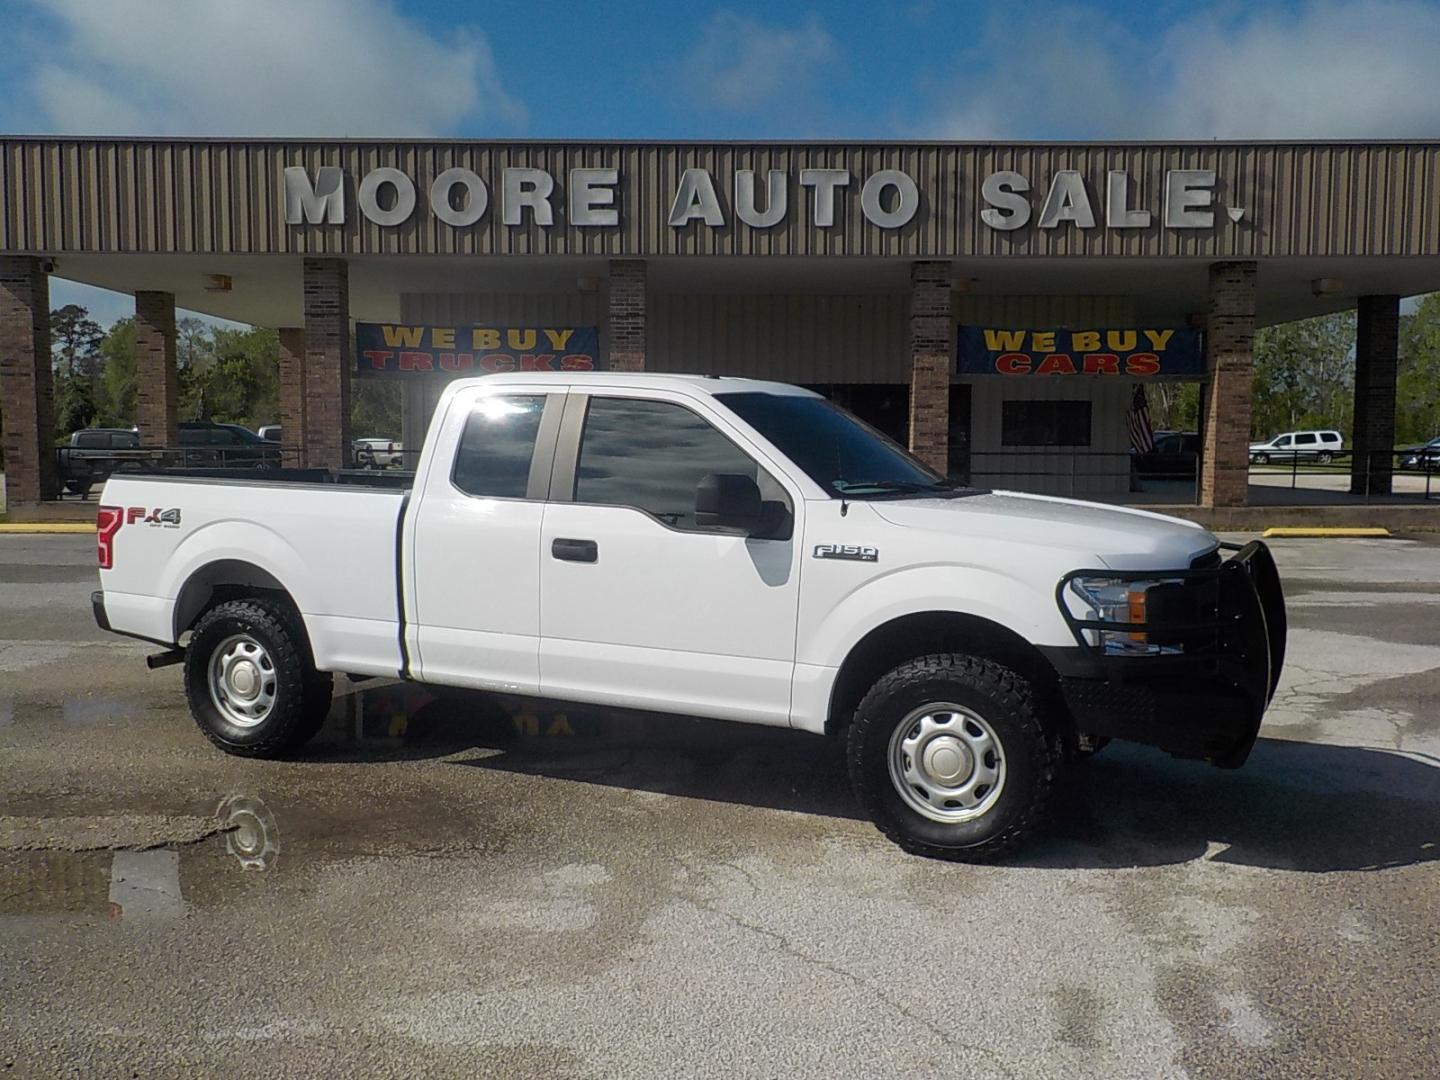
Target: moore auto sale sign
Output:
[{"x": 889, "y": 199}]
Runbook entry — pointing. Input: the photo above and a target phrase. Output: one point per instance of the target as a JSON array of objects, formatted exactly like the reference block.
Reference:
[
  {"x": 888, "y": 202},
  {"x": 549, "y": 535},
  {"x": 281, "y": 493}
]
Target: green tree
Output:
[
  {"x": 1417, "y": 396},
  {"x": 115, "y": 398},
  {"x": 1304, "y": 375},
  {"x": 75, "y": 342},
  {"x": 375, "y": 409}
]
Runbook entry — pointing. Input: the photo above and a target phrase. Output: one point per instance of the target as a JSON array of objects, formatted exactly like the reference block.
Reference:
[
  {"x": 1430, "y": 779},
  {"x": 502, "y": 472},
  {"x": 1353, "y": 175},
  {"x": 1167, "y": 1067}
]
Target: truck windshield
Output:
[{"x": 841, "y": 453}]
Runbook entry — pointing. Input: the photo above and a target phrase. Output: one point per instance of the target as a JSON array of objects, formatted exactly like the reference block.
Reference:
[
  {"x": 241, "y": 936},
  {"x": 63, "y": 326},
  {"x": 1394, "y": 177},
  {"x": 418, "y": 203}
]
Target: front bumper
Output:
[{"x": 1206, "y": 702}]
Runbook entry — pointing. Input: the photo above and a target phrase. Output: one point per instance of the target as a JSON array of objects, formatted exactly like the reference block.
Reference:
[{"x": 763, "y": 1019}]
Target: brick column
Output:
[
  {"x": 1377, "y": 347},
  {"x": 27, "y": 394},
  {"x": 930, "y": 350},
  {"x": 292, "y": 395},
  {"x": 157, "y": 388},
  {"x": 627, "y": 315},
  {"x": 326, "y": 434},
  {"x": 1229, "y": 368}
]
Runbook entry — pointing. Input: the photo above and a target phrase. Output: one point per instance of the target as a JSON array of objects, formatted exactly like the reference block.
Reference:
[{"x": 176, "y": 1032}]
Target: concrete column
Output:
[
  {"x": 327, "y": 364},
  {"x": 1377, "y": 348},
  {"x": 157, "y": 387},
  {"x": 1230, "y": 368},
  {"x": 930, "y": 351},
  {"x": 27, "y": 393},
  {"x": 626, "y": 315},
  {"x": 292, "y": 395}
]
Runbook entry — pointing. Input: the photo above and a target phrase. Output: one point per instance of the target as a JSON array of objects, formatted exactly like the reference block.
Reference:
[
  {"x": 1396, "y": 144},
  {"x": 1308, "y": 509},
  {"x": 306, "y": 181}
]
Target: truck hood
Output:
[{"x": 1121, "y": 538}]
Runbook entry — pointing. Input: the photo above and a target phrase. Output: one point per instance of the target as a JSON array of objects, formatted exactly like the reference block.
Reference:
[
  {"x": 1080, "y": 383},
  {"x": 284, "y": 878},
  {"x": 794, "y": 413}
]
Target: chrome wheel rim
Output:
[
  {"x": 947, "y": 763},
  {"x": 242, "y": 681}
]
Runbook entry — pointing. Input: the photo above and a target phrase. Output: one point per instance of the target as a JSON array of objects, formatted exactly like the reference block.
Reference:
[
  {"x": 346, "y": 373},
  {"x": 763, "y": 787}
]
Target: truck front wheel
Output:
[
  {"x": 250, "y": 682},
  {"x": 950, "y": 757}
]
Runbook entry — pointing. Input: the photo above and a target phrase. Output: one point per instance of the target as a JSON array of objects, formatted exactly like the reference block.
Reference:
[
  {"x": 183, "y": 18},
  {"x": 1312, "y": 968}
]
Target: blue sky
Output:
[{"x": 844, "y": 70}]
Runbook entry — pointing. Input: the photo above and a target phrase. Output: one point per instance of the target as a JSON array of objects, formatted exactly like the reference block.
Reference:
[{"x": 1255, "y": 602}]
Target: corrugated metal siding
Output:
[
  {"x": 792, "y": 338},
  {"x": 65, "y": 195}
]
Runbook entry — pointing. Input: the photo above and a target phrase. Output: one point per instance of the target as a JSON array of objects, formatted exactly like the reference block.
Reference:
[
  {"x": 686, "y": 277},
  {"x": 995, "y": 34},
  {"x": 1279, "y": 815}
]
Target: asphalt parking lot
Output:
[{"x": 434, "y": 888}]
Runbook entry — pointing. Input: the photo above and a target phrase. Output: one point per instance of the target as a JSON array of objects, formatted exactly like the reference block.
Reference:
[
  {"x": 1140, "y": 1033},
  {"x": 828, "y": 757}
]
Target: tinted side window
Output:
[
  {"x": 496, "y": 446},
  {"x": 1283, "y": 440},
  {"x": 1305, "y": 440},
  {"x": 1330, "y": 436},
  {"x": 91, "y": 440},
  {"x": 652, "y": 455}
]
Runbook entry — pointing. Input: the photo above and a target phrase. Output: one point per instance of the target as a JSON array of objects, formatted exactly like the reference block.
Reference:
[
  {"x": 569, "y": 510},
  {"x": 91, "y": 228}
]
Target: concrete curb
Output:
[{"x": 33, "y": 527}]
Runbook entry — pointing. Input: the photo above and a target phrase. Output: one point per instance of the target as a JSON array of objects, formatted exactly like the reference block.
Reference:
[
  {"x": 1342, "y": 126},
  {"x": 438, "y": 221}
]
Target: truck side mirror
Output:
[{"x": 728, "y": 501}]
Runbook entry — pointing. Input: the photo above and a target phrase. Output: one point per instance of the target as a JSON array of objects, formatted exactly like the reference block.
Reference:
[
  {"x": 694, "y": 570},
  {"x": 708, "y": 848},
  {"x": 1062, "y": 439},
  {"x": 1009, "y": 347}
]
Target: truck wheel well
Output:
[
  {"x": 923, "y": 634},
  {"x": 217, "y": 582}
]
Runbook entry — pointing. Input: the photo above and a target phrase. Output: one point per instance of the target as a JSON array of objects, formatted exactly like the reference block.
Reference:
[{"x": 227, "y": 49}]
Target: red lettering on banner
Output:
[
  {"x": 497, "y": 361},
  {"x": 1102, "y": 363},
  {"x": 1056, "y": 364},
  {"x": 534, "y": 362},
  {"x": 1142, "y": 363},
  {"x": 416, "y": 361},
  {"x": 1012, "y": 363},
  {"x": 450, "y": 361},
  {"x": 379, "y": 358},
  {"x": 577, "y": 362}
]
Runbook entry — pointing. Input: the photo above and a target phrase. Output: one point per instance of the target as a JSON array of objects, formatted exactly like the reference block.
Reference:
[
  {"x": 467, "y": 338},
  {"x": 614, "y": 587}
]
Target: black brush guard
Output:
[{"x": 1205, "y": 702}]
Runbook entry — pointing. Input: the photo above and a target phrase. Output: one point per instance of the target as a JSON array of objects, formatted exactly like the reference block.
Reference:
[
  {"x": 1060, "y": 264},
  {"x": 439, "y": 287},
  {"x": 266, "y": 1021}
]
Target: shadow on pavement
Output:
[{"x": 1294, "y": 806}]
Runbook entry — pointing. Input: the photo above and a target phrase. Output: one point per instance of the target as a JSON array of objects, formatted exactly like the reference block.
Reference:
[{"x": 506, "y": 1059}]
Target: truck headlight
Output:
[{"x": 1104, "y": 599}]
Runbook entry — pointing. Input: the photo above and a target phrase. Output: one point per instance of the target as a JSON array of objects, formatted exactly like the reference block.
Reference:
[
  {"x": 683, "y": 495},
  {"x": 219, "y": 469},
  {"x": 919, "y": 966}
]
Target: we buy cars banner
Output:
[
  {"x": 1139, "y": 352},
  {"x": 406, "y": 351}
]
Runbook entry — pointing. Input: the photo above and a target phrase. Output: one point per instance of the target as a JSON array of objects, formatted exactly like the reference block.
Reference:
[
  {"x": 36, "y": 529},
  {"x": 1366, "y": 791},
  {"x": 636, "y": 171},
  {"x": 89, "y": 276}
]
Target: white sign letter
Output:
[
  {"x": 1068, "y": 201},
  {"x": 368, "y": 196},
  {"x": 592, "y": 197},
  {"x": 1186, "y": 192},
  {"x": 824, "y": 181},
  {"x": 444, "y": 186},
  {"x": 1008, "y": 210},
  {"x": 907, "y": 199},
  {"x": 526, "y": 187},
  {"x": 777, "y": 198},
  {"x": 695, "y": 198},
  {"x": 1118, "y": 215},
  {"x": 322, "y": 204}
]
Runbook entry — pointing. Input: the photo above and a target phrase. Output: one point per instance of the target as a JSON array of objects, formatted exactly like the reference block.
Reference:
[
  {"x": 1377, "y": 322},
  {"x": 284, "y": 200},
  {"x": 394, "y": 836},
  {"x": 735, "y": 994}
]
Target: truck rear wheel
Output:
[
  {"x": 250, "y": 681},
  {"x": 950, "y": 758}
]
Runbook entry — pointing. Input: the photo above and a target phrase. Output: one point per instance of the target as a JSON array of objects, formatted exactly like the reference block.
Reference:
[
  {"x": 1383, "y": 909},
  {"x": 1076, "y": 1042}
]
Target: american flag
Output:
[{"x": 1142, "y": 436}]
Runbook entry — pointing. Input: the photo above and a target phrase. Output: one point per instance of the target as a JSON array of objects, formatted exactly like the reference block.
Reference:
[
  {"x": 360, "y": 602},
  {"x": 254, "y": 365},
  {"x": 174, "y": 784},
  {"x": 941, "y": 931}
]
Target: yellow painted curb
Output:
[
  {"x": 47, "y": 527},
  {"x": 1321, "y": 530}
]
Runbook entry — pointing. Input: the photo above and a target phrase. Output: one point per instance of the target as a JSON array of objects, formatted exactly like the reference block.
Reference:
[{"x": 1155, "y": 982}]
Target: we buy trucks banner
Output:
[
  {"x": 1139, "y": 352},
  {"x": 407, "y": 351}
]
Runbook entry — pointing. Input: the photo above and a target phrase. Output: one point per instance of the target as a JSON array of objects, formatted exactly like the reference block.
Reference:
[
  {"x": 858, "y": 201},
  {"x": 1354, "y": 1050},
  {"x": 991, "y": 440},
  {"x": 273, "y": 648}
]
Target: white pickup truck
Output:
[{"x": 712, "y": 547}]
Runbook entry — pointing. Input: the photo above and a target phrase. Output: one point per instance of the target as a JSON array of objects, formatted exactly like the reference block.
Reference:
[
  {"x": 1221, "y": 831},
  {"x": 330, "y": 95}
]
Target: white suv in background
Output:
[{"x": 1321, "y": 446}]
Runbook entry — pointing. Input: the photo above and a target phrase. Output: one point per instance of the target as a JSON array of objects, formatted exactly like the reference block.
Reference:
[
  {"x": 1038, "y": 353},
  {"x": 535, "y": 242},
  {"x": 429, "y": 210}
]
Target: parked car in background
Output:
[
  {"x": 269, "y": 432},
  {"x": 1322, "y": 446},
  {"x": 1426, "y": 457},
  {"x": 379, "y": 454},
  {"x": 92, "y": 454},
  {"x": 1174, "y": 457},
  {"x": 207, "y": 443}
]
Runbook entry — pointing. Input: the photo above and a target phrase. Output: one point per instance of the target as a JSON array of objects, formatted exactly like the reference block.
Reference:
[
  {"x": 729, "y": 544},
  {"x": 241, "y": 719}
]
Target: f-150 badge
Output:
[{"x": 853, "y": 552}]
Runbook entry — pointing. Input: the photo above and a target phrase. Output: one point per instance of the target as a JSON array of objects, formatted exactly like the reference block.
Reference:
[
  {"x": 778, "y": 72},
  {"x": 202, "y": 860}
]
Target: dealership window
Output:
[
  {"x": 1045, "y": 423},
  {"x": 652, "y": 455},
  {"x": 495, "y": 450}
]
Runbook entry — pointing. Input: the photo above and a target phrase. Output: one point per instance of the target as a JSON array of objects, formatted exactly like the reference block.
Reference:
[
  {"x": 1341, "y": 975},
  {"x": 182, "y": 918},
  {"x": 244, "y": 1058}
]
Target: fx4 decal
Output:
[
  {"x": 852, "y": 552},
  {"x": 170, "y": 518}
]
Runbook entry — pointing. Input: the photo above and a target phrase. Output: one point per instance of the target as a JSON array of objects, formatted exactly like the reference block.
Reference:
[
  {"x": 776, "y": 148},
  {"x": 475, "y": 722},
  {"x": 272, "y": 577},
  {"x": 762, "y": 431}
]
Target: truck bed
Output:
[{"x": 329, "y": 540}]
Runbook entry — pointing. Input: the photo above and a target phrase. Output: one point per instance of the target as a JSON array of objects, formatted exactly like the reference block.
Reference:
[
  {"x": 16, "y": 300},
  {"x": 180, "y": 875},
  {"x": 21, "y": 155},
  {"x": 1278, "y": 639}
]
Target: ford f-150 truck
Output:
[{"x": 713, "y": 547}]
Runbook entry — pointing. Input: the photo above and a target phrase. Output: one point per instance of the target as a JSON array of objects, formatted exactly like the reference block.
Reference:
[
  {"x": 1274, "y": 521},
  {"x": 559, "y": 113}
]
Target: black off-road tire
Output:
[
  {"x": 1008, "y": 703},
  {"x": 302, "y": 694}
]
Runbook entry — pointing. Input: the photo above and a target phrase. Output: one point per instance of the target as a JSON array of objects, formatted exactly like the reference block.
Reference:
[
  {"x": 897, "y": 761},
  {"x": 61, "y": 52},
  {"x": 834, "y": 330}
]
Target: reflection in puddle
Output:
[{"x": 251, "y": 834}]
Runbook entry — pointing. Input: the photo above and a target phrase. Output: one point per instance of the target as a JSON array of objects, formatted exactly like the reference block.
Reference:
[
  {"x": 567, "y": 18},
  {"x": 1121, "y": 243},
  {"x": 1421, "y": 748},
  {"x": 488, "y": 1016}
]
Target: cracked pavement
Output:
[{"x": 438, "y": 887}]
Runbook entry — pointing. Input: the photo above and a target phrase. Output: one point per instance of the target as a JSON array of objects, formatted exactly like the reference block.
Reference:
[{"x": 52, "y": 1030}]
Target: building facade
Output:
[{"x": 865, "y": 270}]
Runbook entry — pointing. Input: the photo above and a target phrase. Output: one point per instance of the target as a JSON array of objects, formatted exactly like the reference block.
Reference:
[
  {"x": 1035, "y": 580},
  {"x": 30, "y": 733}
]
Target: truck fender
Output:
[{"x": 237, "y": 544}]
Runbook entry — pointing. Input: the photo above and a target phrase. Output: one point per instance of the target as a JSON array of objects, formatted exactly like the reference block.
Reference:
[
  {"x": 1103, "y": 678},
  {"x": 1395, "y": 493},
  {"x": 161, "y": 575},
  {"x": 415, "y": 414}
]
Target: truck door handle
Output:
[{"x": 574, "y": 550}]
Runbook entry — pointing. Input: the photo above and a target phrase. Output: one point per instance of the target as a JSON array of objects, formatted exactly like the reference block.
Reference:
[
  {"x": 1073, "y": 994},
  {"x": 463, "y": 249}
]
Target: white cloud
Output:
[
  {"x": 1361, "y": 69},
  {"x": 743, "y": 66},
  {"x": 259, "y": 67}
]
